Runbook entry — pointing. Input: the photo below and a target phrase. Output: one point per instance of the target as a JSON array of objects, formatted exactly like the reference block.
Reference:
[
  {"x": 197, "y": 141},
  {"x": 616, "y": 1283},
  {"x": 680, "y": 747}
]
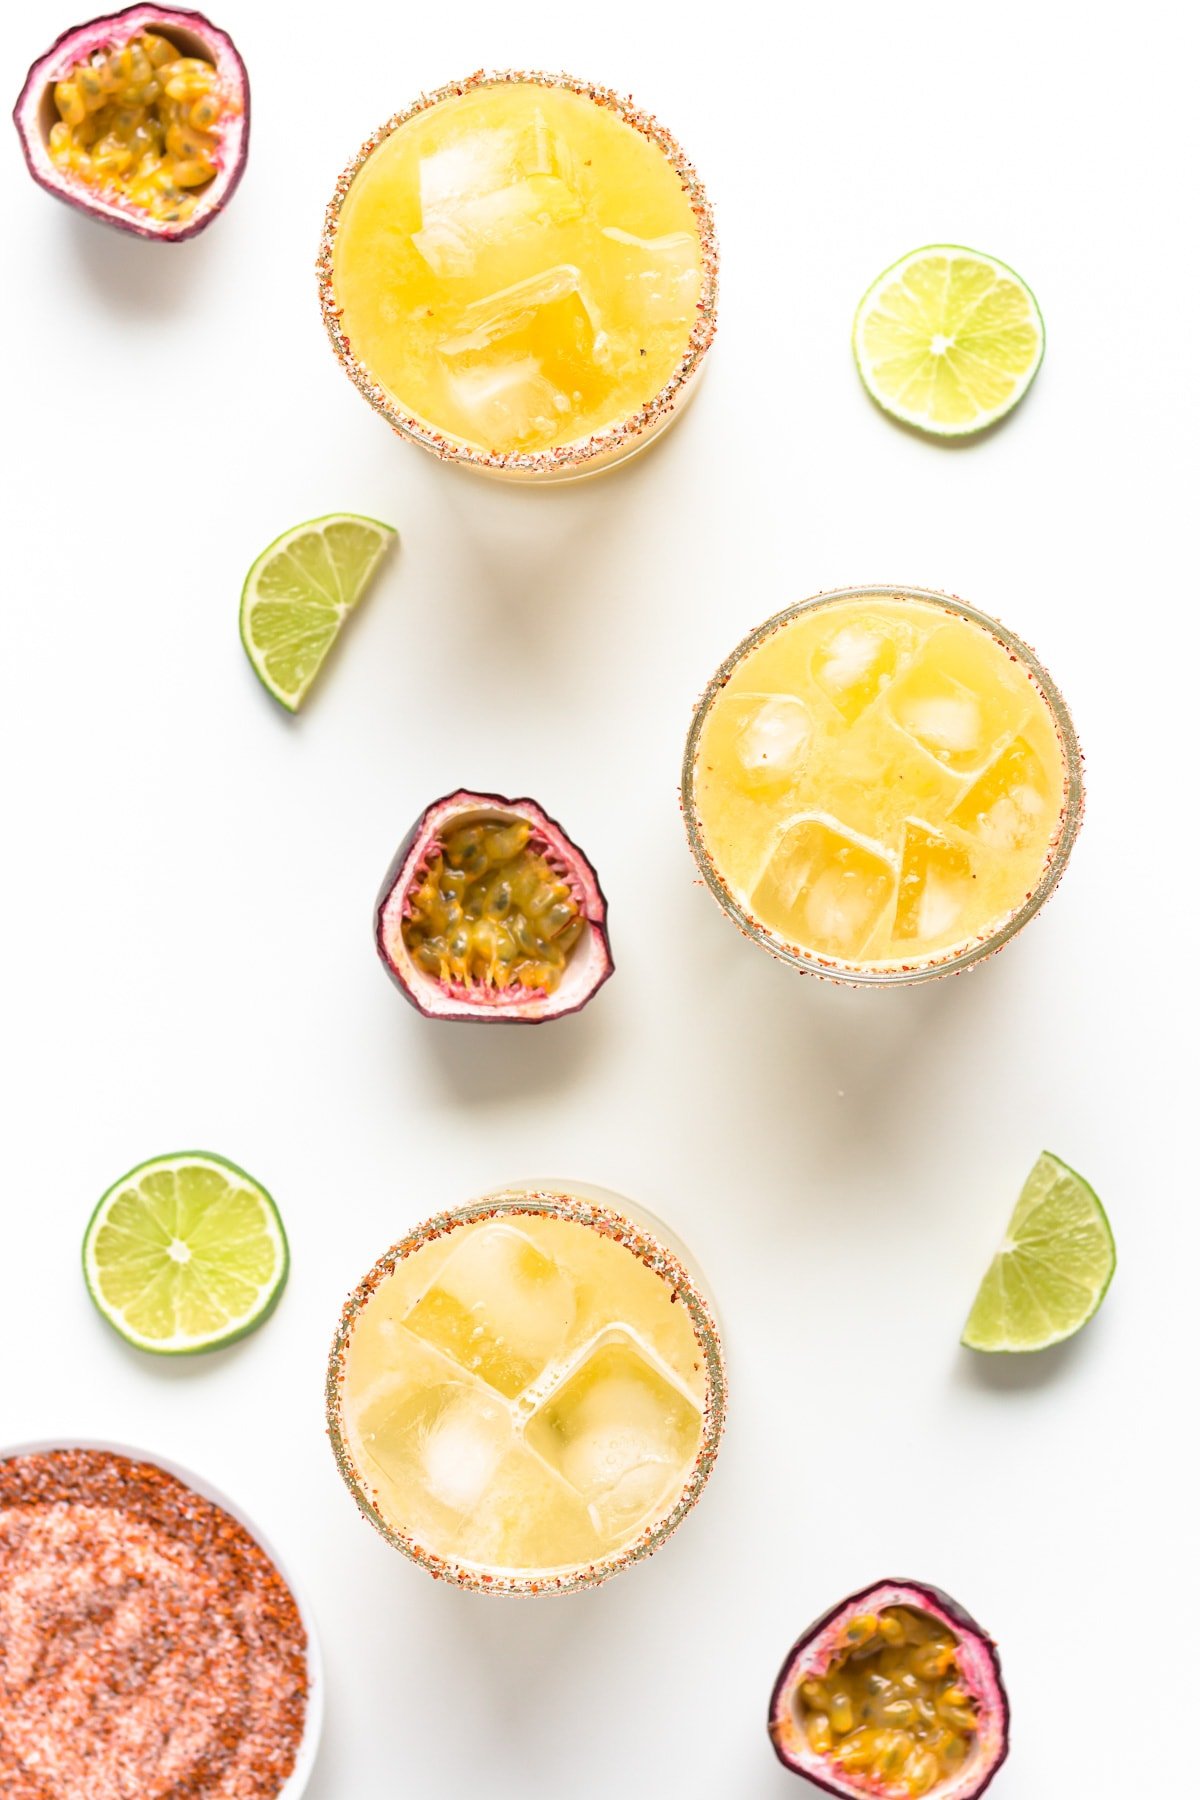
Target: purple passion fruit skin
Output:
[
  {"x": 962, "y": 1687},
  {"x": 211, "y": 124},
  {"x": 489, "y": 912}
]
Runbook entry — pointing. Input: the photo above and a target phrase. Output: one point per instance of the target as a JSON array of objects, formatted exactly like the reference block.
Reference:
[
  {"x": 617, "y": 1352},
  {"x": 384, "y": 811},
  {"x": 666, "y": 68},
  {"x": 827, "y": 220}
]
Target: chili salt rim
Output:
[
  {"x": 558, "y": 459},
  {"x": 956, "y": 958},
  {"x": 539, "y": 1202},
  {"x": 314, "y": 1711}
]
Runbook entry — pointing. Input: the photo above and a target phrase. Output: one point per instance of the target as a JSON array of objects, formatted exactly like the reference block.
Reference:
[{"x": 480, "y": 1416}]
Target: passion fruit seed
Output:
[
  {"x": 142, "y": 119},
  {"x": 488, "y": 908},
  {"x": 890, "y": 1706}
]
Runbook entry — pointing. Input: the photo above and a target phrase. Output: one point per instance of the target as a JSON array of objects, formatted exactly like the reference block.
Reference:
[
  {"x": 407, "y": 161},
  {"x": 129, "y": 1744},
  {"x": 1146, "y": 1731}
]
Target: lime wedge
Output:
[
  {"x": 185, "y": 1253},
  {"x": 1052, "y": 1270},
  {"x": 948, "y": 339},
  {"x": 300, "y": 591}
]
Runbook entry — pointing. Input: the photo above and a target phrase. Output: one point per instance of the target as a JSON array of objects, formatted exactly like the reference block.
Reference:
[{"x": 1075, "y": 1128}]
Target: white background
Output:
[{"x": 191, "y": 874}]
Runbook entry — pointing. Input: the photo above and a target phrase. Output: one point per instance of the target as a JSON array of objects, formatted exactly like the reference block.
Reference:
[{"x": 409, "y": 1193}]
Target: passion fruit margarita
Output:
[
  {"x": 882, "y": 784},
  {"x": 519, "y": 272},
  {"x": 527, "y": 1394}
]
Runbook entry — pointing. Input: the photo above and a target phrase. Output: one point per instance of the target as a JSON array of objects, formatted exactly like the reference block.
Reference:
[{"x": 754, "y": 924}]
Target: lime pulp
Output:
[
  {"x": 948, "y": 339},
  {"x": 1053, "y": 1269},
  {"x": 300, "y": 592},
  {"x": 185, "y": 1253}
]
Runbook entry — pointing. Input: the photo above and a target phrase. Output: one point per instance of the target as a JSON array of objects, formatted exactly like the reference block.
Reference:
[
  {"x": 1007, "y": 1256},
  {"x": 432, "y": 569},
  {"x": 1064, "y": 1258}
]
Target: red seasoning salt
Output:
[{"x": 149, "y": 1648}]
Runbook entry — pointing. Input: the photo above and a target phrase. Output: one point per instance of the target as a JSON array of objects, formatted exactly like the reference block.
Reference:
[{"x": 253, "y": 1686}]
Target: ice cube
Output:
[
  {"x": 935, "y": 884},
  {"x": 455, "y": 183},
  {"x": 453, "y": 242},
  {"x": 446, "y": 246},
  {"x": 619, "y": 1431},
  {"x": 825, "y": 886},
  {"x": 486, "y": 188},
  {"x": 772, "y": 733},
  {"x": 528, "y": 1519},
  {"x": 540, "y": 151},
  {"x": 447, "y": 1441},
  {"x": 948, "y": 724},
  {"x": 677, "y": 248},
  {"x": 507, "y": 401},
  {"x": 960, "y": 700},
  {"x": 1009, "y": 805},
  {"x": 947, "y": 720},
  {"x": 854, "y": 664},
  {"x": 462, "y": 1449},
  {"x": 665, "y": 271},
  {"x": 553, "y": 298},
  {"x": 466, "y": 169},
  {"x": 517, "y": 358},
  {"x": 498, "y": 1308}
]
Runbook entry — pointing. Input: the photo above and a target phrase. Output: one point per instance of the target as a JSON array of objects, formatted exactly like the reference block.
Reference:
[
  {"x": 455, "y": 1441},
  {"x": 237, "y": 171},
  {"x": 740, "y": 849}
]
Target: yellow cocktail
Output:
[
  {"x": 527, "y": 1394},
  {"x": 519, "y": 272},
  {"x": 882, "y": 785}
]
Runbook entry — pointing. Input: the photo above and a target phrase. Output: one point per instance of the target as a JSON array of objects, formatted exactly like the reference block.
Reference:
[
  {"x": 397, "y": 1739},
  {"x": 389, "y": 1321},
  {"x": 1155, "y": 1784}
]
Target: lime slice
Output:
[
  {"x": 948, "y": 339},
  {"x": 1052, "y": 1270},
  {"x": 298, "y": 594},
  {"x": 185, "y": 1253}
]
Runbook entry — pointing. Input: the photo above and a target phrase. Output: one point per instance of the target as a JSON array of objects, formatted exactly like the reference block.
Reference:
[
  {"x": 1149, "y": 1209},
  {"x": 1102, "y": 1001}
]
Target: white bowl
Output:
[{"x": 306, "y": 1755}]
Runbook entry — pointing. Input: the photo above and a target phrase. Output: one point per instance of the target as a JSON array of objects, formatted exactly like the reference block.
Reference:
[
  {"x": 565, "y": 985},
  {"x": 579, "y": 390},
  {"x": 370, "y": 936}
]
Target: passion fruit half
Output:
[
  {"x": 895, "y": 1692},
  {"x": 141, "y": 119},
  {"x": 490, "y": 912}
]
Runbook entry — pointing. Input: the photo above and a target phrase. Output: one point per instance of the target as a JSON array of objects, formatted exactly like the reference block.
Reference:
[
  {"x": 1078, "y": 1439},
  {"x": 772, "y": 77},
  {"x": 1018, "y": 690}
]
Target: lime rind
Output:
[
  {"x": 1051, "y": 1274},
  {"x": 298, "y": 595},
  {"x": 998, "y": 385},
  {"x": 143, "y": 1278}
]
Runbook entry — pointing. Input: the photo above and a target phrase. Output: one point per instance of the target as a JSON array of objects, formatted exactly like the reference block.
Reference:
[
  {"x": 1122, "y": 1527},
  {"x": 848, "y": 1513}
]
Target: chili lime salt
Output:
[{"x": 149, "y": 1648}]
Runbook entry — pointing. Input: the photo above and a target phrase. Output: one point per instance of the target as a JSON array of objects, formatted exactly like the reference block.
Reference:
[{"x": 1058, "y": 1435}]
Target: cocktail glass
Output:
[
  {"x": 519, "y": 272},
  {"x": 882, "y": 785},
  {"x": 526, "y": 1394}
]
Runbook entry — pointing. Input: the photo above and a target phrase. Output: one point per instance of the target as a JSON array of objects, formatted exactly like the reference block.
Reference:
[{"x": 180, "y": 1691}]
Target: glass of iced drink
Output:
[
  {"x": 882, "y": 785},
  {"x": 526, "y": 1395},
  {"x": 519, "y": 272}
]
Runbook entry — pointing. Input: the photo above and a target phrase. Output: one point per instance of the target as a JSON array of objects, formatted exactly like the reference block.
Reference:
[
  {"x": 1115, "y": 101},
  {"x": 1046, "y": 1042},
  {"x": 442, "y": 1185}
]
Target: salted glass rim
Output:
[
  {"x": 557, "y": 1200},
  {"x": 955, "y": 959},
  {"x": 558, "y": 459}
]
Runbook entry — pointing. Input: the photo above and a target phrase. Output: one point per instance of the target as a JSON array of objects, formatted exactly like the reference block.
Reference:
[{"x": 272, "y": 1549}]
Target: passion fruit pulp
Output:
[
  {"x": 490, "y": 912},
  {"x": 140, "y": 118},
  {"x": 896, "y": 1692}
]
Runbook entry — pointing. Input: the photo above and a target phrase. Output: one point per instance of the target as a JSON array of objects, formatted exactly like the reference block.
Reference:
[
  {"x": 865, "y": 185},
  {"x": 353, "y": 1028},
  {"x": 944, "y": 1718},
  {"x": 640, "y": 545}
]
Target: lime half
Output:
[
  {"x": 1053, "y": 1268},
  {"x": 948, "y": 339},
  {"x": 185, "y": 1253},
  {"x": 299, "y": 593}
]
